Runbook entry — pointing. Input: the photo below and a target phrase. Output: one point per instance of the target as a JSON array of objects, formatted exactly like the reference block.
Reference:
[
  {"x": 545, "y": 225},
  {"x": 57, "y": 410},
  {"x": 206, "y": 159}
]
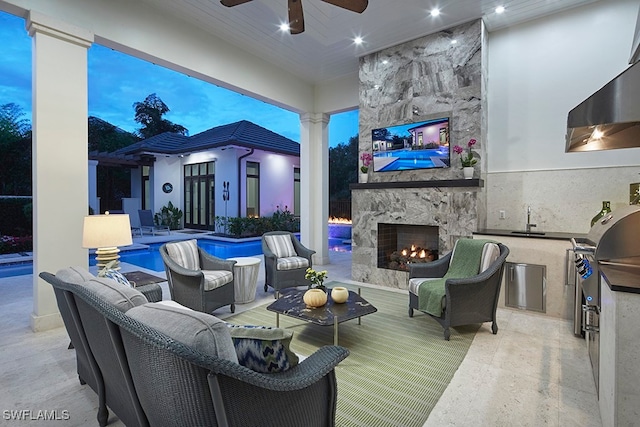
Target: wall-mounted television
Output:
[{"x": 418, "y": 145}]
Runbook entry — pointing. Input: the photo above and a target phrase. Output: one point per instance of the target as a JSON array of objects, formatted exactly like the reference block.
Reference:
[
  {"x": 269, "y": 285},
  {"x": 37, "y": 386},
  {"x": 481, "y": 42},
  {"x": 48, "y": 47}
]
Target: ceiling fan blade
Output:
[
  {"x": 296, "y": 17},
  {"x": 231, "y": 3},
  {"x": 357, "y": 6}
]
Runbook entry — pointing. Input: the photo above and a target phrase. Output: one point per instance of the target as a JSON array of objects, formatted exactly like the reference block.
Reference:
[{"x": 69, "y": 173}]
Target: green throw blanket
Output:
[{"x": 465, "y": 263}]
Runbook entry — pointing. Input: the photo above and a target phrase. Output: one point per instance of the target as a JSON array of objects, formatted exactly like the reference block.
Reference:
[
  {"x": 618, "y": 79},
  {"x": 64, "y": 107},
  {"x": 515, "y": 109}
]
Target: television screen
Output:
[{"x": 421, "y": 145}]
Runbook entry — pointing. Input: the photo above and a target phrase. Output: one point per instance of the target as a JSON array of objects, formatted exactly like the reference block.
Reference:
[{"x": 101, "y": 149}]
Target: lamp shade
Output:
[{"x": 105, "y": 231}]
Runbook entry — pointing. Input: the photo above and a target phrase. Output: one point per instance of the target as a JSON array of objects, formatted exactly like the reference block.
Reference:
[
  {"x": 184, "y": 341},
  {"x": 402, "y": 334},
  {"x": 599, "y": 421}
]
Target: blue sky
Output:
[{"x": 117, "y": 80}]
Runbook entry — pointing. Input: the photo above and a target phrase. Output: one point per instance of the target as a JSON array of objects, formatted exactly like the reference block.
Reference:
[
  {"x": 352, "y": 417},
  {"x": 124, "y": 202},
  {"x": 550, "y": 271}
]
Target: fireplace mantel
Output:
[{"x": 419, "y": 184}]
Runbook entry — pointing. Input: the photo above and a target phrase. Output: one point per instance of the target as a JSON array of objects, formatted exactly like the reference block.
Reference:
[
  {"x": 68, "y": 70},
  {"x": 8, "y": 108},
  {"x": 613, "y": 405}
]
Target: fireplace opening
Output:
[{"x": 401, "y": 244}]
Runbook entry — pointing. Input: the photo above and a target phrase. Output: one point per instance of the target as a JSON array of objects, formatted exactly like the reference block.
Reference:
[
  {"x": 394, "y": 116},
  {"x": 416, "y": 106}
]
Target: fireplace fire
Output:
[
  {"x": 400, "y": 245},
  {"x": 399, "y": 260}
]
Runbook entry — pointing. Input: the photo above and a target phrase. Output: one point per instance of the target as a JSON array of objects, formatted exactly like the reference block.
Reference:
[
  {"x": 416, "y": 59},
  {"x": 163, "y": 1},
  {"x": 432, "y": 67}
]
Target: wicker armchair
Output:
[
  {"x": 197, "y": 279},
  {"x": 183, "y": 387},
  {"x": 469, "y": 300},
  {"x": 285, "y": 268}
]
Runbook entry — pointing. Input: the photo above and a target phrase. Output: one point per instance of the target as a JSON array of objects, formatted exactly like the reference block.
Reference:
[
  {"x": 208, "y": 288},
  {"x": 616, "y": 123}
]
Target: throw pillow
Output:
[
  {"x": 263, "y": 349},
  {"x": 185, "y": 254},
  {"x": 115, "y": 275},
  {"x": 200, "y": 331},
  {"x": 281, "y": 245}
]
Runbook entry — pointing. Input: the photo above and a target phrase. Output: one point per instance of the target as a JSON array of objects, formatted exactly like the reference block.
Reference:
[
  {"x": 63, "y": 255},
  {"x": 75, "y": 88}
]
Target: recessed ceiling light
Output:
[
  {"x": 284, "y": 27},
  {"x": 358, "y": 40},
  {"x": 499, "y": 9},
  {"x": 435, "y": 12}
]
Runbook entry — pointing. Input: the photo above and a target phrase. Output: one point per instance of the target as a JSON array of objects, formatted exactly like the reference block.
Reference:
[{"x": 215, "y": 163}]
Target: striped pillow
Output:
[
  {"x": 185, "y": 254},
  {"x": 280, "y": 245}
]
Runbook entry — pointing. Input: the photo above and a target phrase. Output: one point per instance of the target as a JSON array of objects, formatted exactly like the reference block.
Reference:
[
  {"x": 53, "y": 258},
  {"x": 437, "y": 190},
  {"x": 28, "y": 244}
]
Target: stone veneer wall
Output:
[{"x": 425, "y": 78}]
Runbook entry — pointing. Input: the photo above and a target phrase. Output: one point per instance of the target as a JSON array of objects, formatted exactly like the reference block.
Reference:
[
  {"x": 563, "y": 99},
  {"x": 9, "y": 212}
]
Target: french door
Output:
[{"x": 199, "y": 200}]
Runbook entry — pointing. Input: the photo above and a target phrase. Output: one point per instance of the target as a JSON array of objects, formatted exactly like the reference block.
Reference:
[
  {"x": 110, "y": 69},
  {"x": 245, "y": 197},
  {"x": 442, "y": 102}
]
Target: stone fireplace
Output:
[
  {"x": 454, "y": 208},
  {"x": 418, "y": 80},
  {"x": 401, "y": 244}
]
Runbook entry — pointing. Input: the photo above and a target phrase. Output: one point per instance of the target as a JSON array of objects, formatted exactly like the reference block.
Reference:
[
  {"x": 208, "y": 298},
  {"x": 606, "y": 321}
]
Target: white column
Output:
[
  {"x": 314, "y": 184},
  {"x": 60, "y": 166}
]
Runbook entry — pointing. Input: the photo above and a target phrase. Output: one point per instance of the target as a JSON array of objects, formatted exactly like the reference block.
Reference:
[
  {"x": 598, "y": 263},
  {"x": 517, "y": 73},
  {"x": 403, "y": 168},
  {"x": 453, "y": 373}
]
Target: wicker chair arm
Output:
[
  {"x": 212, "y": 262},
  {"x": 181, "y": 271},
  {"x": 306, "y": 373},
  {"x": 437, "y": 268},
  {"x": 301, "y": 250},
  {"x": 268, "y": 254}
]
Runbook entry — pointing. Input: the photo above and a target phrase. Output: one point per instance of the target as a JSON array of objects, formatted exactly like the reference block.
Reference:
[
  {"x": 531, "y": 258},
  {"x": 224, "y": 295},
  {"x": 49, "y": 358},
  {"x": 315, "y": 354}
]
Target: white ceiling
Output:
[{"x": 325, "y": 50}]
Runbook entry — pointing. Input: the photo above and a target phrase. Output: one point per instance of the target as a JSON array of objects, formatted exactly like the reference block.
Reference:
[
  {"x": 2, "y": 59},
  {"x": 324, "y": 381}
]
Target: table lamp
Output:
[{"x": 105, "y": 233}]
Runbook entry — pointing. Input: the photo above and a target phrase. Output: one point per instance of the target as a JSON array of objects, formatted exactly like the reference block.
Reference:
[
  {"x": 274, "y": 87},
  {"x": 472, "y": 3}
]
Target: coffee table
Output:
[{"x": 291, "y": 304}]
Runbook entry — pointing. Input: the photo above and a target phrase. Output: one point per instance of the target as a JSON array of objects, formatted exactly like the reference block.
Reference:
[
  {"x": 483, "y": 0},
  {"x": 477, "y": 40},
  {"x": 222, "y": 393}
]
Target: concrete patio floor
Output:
[{"x": 533, "y": 372}]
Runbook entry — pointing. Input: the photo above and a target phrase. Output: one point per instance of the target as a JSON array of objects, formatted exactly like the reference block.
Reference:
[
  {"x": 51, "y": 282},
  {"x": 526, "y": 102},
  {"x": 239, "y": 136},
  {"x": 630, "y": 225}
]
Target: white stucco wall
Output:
[
  {"x": 538, "y": 72},
  {"x": 276, "y": 179}
]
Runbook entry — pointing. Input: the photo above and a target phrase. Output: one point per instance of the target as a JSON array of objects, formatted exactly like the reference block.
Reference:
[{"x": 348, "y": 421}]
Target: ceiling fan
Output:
[{"x": 296, "y": 17}]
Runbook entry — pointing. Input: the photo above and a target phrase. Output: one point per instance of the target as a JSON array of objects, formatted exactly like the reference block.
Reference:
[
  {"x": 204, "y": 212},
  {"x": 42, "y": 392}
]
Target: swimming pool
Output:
[
  {"x": 150, "y": 258},
  {"x": 413, "y": 159}
]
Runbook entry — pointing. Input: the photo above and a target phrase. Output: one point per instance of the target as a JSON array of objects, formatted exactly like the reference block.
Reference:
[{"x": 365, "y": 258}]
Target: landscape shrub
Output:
[{"x": 281, "y": 220}]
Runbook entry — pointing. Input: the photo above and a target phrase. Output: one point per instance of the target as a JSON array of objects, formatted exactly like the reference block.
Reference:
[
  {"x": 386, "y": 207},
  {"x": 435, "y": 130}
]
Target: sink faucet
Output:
[{"x": 529, "y": 225}]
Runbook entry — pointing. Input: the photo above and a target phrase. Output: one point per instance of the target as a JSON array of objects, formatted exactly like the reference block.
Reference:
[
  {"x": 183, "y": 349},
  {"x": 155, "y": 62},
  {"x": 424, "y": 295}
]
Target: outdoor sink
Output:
[{"x": 529, "y": 233}]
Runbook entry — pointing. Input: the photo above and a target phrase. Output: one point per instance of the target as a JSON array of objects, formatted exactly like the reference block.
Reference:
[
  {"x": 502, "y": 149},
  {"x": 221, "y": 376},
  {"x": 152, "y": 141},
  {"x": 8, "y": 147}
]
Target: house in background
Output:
[{"x": 238, "y": 169}]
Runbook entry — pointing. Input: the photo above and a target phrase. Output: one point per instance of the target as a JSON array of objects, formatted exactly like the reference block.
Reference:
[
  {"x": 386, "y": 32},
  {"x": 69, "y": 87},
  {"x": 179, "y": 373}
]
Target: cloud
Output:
[{"x": 116, "y": 81}]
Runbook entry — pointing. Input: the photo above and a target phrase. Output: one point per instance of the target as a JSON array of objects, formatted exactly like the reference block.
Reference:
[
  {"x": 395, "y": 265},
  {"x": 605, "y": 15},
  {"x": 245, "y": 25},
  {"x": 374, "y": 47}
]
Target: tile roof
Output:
[{"x": 243, "y": 133}]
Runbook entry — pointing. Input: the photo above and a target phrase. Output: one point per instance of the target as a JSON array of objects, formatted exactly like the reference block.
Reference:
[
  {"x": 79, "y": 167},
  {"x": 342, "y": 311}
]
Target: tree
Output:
[
  {"x": 149, "y": 114},
  {"x": 343, "y": 169},
  {"x": 105, "y": 137},
  {"x": 15, "y": 146},
  {"x": 113, "y": 183}
]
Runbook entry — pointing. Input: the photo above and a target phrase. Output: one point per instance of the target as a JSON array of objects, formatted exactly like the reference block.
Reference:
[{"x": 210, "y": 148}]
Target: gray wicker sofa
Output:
[{"x": 157, "y": 381}]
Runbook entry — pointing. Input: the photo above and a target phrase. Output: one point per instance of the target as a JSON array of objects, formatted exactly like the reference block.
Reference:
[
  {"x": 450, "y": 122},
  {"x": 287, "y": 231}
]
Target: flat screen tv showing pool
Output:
[{"x": 418, "y": 145}]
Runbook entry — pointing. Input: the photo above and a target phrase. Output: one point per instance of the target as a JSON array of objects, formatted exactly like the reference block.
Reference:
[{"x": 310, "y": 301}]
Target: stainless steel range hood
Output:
[{"x": 608, "y": 119}]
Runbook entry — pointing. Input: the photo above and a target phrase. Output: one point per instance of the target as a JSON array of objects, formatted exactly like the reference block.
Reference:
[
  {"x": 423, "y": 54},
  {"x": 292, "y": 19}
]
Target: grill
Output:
[{"x": 614, "y": 239}]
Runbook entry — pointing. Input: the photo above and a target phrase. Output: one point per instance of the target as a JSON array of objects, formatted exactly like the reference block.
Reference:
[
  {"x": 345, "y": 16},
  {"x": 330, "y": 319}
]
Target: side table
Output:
[
  {"x": 245, "y": 274},
  {"x": 152, "y": 291}
]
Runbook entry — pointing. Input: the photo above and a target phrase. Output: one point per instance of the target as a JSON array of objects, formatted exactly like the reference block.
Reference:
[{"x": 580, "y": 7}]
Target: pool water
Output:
[
  {"x": 150, "y": 258},
  {"x": 412, "y": 159}
]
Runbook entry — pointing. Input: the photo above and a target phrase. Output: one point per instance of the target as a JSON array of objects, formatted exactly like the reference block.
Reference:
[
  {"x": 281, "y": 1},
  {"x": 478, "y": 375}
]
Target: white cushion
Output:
[
  {"x": 185, "y": 254},
  {"x": 280, "y": 245},
  {"x": 291, "y": 263},
  {"x": 215, "y": 278},
  {"x": 490, "y": 253}
]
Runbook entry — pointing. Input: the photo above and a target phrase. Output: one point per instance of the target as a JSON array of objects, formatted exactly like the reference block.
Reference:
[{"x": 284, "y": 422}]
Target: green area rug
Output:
[{"x": 398, "y": 367}]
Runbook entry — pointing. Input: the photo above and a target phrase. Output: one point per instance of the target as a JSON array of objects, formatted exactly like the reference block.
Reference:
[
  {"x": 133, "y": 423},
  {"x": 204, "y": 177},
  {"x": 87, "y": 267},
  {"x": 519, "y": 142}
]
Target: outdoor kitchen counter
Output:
[
  {"x": 549, "y": 250},
  {"x": 622, "y": 278},
  {"x": 521, "y": 233}
]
